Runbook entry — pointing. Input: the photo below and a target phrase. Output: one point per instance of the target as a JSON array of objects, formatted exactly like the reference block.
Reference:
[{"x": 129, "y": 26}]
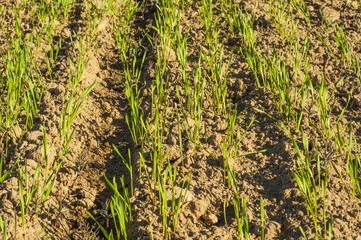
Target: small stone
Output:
[
  {"x": 145, "y": 92},
  {"x": 93, "y": 143},
  {"x": 85, "y": 203},
  {"x": 300, "y": 213},
  {"x": 210, "y": 219},
  {"x": 109, "y": 120},
  {"x": 177, "y": 191},
  {"x": 86, "y": 193},
  {"x": 330, "y": 14}
]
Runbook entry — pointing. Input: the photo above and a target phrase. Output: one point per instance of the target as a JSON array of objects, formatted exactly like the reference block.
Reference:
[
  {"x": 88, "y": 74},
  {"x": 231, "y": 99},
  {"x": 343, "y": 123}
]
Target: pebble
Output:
[
  {"x": 177, "y": 190},
  {"x": 330, "y": 14},
  {"x": 210, "y": 219},
  {"x": 85, "y": 203},
  {"x": 93, "y": 143}
]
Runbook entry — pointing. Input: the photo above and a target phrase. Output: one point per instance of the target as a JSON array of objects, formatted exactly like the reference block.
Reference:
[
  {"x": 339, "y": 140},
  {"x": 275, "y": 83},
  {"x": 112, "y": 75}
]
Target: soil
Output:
[{"x": 208, "y": 211}]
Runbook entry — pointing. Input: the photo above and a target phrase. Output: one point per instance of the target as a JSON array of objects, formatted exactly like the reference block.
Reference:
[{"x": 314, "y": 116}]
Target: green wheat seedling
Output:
[
  {"x": 40, "y": 9},
  {"x": 74, "y": 99},
  {"x": 181, "y": 46},
  {"x": 123, "y": 32},
  {"x": 194, "y": 97},
  {"x": 170, "y": 14},
  {"x": 290, "y": 35},
  {"x": 343, "y": 44},
  {"x": 217, "y": 78},
  {"x": 304, "y": 176},
  {"x": 61, "y": 7},
  {"x": 340, "y": 143},
  {"x": 353, "y": 164},
  {"x": 43, "y": 188},
  {"x": 128, "y": 166},
  {"x": 23, "y": 85},
  {"x": 233, "y": 139},
  {"x": 177, "y": 205},
  {"x": 35, "y": 193},
  {"x": 300, "y": 7},
  {"x": 164, "y": 46},
  {"x": 327, "y": 46},
  {"x": 207, "y": 19},
  {"x": 163, "y": 200},
  {"x": 297, "y": 4},
  {"x": 132, "y": 74},
  {"x": 239, "y": 205},
  {"x": 155, "y": 138},
  {"x": 54, "y": 47},
  {"x": 38, "y": 192},
  {"x": 159, "y": 89},
  {"x": 356, "y": 67},
  {"x": 282, "y": 18},
  {"x": 256, "y": 64},
  {"x": 97, "y": 15},
  {"x": 246, "y": 30},
  {"x": 120, "y": 207},
  {"x": 149, "y": 177},
  {"x": 262, "y": 219},
  {"x": 120, "y": 210},
  {"x": 70, "y": 111},
  {"x": 232, "y": 13},
  {"x": 165, "y": 29},
  {"x": 280, "y": 84},
  {"x": 3, "y": 228},
  {"x": 5, "y": 174},
  {"x": 306, "y": 15},
  {"x": 325, "y": 108},
  {"x": 325, "y": 24},
  {"x": 195, "y": 93}
]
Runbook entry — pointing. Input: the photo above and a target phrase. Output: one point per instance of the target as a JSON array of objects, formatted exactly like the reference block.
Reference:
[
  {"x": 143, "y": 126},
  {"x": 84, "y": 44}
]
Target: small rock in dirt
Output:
[
  {"x": 177, "y": 191},
  {"x": 199, "y": 207},
  {"x": 210, "y": 219},
  {"x": 330, "y": 14},
  {"x": 87, "y": 194},
  {"x": 85, "y": 203},
  {"x": 93, "y": 143},
  {"x": 109, "y": 121},
  {"x": 300, "y": 213}
]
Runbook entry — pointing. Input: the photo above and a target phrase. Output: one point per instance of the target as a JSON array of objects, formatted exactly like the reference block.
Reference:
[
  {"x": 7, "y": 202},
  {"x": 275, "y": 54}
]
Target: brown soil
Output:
[{"x": 208, "y": 212}]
